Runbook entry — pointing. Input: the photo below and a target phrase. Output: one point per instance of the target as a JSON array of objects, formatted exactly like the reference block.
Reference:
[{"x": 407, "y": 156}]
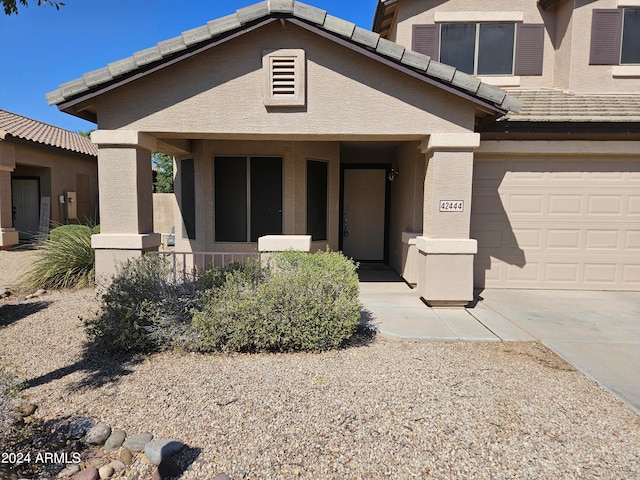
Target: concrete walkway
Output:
[{"x": 596, "y": 332}]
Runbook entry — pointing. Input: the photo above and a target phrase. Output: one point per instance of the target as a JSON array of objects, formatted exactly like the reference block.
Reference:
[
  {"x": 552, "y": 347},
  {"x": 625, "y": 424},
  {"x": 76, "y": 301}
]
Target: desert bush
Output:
[
  {"x": 65, "y": 259},
  {"x": 215, "y": 277},
  {"x": 61, "y": 230},
  {"x": 144, "y": 309},
  {"x": 295, "y": 302}
]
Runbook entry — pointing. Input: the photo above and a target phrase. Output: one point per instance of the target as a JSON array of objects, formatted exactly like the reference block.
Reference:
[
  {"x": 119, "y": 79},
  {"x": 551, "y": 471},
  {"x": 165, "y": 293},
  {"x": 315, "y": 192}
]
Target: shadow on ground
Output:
[
  {"x": 99, "y": 368},
  {"x": 13, "y": 312}
]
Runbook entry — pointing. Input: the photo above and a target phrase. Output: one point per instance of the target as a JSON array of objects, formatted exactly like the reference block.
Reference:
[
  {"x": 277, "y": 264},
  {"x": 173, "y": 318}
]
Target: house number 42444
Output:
[{"x": 451, "y": 205}]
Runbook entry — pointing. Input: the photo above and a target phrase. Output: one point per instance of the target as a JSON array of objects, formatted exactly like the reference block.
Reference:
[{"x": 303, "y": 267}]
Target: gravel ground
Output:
[
  {"x": 379, "y": 409},
  {"x": 13, "y": 264}
]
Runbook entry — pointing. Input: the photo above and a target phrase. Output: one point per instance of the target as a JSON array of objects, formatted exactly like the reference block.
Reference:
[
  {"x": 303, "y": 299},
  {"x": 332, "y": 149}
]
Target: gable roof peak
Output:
[{"x": 246, "y": 18}]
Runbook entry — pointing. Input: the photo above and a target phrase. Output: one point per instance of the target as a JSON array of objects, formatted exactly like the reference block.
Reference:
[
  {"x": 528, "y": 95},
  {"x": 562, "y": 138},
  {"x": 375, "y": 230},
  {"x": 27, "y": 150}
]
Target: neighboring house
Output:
[
  {"x": 47, "y": 174},
  {"x": 286, "y": 120}
]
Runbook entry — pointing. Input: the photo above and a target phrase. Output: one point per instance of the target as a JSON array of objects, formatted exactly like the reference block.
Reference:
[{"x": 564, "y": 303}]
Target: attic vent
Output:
[
  {"x": 283, "y": 81},
  {"x": 284, "y": 72}
]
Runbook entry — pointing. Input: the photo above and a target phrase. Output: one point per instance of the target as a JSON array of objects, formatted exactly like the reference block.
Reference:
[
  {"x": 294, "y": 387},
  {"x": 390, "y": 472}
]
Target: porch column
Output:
[
  {"x": 126, "y": 199},
  {"x": 445, "y": 276},
  {"x": 8, "y": 234}
]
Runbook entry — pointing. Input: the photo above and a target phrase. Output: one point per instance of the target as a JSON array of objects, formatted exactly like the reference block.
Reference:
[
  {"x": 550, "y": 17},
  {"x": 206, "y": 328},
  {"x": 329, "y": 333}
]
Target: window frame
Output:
[
  {"x": 476, "y": 53},
  {"x": 248, "y": 210},
  {"x": 622, "y": 44}
]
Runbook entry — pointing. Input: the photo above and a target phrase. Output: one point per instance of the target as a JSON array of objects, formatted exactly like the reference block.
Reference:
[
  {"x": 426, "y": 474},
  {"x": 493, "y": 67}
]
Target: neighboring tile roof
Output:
[
  {"x": 27, "y": 129},
  {"x": 558, "y": 106},
  {"x": 174, "y": 47}
]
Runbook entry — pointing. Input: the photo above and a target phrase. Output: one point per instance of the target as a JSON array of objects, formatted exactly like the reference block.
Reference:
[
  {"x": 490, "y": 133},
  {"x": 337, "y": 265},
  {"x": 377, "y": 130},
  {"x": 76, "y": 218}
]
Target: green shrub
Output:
[
  {"x": 215, "y": 277},
  {"x": 65, "y": 260},
  {"x": 58, "y": 232},
  {"x": 297, "y": 302},
  {"x": 144, "y": 309}
]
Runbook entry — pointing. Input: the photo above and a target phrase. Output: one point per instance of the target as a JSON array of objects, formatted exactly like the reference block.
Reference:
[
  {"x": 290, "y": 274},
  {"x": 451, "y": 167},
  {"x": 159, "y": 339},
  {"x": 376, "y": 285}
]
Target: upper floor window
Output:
[
  {"x": 615, "y": 37},
  {"x": 478, "y": 49},
  {"x": 630, "y": 52},
  {"x": 495, "y": 48}
]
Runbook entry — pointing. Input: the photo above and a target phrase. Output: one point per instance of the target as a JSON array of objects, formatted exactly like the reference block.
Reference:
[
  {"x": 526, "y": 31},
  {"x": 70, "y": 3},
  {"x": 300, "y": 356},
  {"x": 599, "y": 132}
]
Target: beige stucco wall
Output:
[
  {"x": 593, "y": 78},
  {"x": 567, "y": 39},
  {"x": 219, "y": 93},
  {"x": 57, "y": 171}
]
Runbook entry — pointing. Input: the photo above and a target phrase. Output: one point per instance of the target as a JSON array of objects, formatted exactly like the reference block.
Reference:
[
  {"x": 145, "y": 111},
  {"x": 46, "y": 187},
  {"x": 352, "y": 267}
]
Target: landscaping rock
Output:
[
  {"x": 159, "y": 450},
  {"x": 69, "y": 470},
  {"x": 136, "y": 443},
  {"x": 117, "y": 466},
  {"x": 95, "y": 453},
  {"x": 98, "y": 434},
  {"x": 125, "y": 456},
  {"x": 90, "y": 473},
  {"x": 79, "y": 428},
  {"x": 222, "y": 476},
  {"x": 105, "y": 472},
  {"x": 115, "y": 440}
]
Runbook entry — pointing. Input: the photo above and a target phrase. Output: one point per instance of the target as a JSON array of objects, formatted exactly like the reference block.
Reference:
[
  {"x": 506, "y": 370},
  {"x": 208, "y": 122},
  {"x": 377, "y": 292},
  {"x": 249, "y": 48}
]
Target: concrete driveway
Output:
[{"x": 596, "y": 332}]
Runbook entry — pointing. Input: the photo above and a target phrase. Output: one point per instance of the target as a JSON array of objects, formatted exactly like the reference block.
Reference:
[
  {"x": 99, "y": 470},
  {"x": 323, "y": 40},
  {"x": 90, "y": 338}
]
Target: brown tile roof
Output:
[
  {"x": 558, "y": 106},
  {"x": 27, "y": 129},
  {"x": 442, "y": 74}
]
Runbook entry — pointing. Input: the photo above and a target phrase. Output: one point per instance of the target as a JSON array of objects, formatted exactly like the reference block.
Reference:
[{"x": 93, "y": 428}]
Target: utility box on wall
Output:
[{"x": 70, "y": 199}]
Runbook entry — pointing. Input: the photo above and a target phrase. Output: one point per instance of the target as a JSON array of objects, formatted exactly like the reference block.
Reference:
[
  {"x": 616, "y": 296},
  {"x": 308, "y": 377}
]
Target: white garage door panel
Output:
[{"x": 557, "y": 223}]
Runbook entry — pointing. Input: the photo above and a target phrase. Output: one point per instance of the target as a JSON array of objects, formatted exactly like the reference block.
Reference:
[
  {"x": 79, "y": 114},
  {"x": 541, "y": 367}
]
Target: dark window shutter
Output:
[
  {"x": 426, "y": 40},
  {"x": 606, "y": 33},
  {"x": 529, "y": 49}
]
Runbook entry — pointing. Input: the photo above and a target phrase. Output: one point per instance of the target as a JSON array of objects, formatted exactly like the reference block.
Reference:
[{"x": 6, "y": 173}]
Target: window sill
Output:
[
  {"x": 628, "y": 3},
  {"x": 625, "y": 71},
  {"x": 498, "y": 81}
]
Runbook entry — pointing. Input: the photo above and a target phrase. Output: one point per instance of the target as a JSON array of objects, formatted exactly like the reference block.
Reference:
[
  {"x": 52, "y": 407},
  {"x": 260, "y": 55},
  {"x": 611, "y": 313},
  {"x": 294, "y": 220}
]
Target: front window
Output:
[
  {"x": 478, "y": 48},
  {"x": 248, "y": 198},
  {"x": 631, "y": 37}
]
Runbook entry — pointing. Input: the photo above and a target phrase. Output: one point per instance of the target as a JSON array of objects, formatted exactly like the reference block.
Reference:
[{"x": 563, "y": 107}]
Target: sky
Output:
[{"x": 41, "y": 47}]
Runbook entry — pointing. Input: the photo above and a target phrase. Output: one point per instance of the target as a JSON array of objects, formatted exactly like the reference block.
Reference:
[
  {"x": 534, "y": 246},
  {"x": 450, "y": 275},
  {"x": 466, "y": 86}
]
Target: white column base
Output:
[
  {"x": 410, "y": 258},
  {"x": 9, "y": 237},
  {"x": 113, "y": 250},
  {"x": 446, "y": 271}
]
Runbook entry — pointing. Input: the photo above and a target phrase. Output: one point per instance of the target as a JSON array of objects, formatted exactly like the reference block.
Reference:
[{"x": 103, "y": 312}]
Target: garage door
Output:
[{"x": 557, "y": 223}]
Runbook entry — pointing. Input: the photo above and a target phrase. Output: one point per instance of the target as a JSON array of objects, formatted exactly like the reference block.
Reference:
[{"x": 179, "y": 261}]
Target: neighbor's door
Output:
[
  {"x": 363, "y": 216},
  {"x": 26, "y": 206}
]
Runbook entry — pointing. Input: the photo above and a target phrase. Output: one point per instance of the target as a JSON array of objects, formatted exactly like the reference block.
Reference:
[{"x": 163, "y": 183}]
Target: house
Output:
[
  {"x": 465, "y": 144},
  {"x": 47, "y": 174}
]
